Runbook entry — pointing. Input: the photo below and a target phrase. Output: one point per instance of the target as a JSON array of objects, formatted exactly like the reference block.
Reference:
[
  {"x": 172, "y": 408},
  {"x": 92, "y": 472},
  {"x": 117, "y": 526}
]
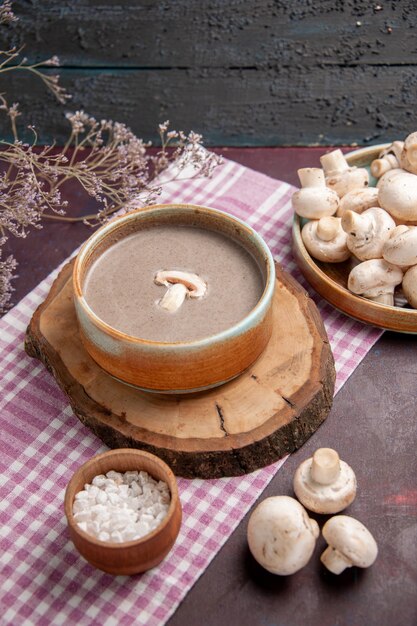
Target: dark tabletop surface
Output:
[{"x": 373, "y": 425}]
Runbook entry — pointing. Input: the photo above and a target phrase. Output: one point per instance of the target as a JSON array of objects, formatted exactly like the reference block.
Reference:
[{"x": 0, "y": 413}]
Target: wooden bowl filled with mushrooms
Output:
[
  {"x": 174, "y": 298},
  {"x": 355, "y": 233}
]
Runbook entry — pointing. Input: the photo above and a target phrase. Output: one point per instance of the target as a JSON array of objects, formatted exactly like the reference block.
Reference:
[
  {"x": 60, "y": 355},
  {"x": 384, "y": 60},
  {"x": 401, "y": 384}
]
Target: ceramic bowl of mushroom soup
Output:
[{"x": 174, "y": 298}]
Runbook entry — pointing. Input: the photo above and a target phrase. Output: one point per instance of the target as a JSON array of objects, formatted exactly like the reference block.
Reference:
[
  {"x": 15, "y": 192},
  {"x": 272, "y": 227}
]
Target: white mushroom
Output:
[
  {"x": 340, "y": 176},
  {"x": 324, "y": 483},
  {"x": 376, "y": 280},
  {"x": 180, "y": 285},
  {"x": 367, "y": 232},
  {"x": 401, "y": 248},
  {"x": 350, "y": 543},
  {"x": 314, "y": 199},
  {"x": 410, "y": 286},
  {"x": 398, "y": 195},
  {"x": 409, "y": 153},
  {"x": 388, "y": 159},
  {"x": 384, "y": 164},
  {"x": 281, "y": 536},
  {"x": 358, "y": 200},
  {"x": 325, "y": 240},
  {"x": 390, "y": 175}
]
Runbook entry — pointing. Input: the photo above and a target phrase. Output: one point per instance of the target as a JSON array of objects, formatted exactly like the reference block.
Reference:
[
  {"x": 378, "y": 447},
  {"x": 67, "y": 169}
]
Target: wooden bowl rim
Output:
[
  {"x": 140, "y": 454},
  {"x": 370, "y": 311}
]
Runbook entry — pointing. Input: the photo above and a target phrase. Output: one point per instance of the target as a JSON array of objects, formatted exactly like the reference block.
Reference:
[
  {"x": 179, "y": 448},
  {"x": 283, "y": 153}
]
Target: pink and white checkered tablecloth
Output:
[{"x": 43, "y": 580}]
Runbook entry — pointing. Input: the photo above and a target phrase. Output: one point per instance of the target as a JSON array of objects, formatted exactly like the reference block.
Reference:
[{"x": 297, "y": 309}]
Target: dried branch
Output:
[
  {"x": 105, "y": 158},
  {"x": 6, "y": 13}
]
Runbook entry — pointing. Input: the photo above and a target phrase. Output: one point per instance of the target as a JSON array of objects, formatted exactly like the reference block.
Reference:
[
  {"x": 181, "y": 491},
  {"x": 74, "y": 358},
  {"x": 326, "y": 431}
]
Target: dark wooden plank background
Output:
[{"x": 242, "y": 72}]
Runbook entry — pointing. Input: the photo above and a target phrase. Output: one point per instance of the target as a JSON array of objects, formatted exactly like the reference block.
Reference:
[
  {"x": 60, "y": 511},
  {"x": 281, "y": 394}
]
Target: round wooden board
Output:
[
  {"x": 330, "y": 279},
  {"x": 269, "y": 411}
]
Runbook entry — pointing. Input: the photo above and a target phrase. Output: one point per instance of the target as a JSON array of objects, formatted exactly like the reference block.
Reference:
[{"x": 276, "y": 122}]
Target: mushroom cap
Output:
[
  {"x": 330, "y": 498},
  {"x": 389, "y": 175},
  {"x": 333, "y": 250},
  {"x": 315, "y": 202},
  {"x": 401, "y": 247},
  {"x": 358, "y": 200},
  {"x": 352, "y": 539},
  {"x": 374, "y": 277},
  {"x": 281, "y": 536},
  {"x": 353, "y": 178},
  {"x": 367, "y": 232},
  {"x": 398, "y": 195},
  {"x": 410, "y": 286},
  {"x": 195, "y": 285}
]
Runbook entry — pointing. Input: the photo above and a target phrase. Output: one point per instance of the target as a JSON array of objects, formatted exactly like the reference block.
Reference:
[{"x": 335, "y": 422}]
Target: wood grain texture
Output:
[
  {"x": 188, "y": 33},
  {"x": 270, "y": 410},
  {"x": 242, "y": 73}
]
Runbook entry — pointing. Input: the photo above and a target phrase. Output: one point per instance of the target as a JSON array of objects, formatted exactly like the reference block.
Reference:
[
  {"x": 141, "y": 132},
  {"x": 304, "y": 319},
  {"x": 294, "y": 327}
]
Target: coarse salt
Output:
[{"x": 121, "y": 507}]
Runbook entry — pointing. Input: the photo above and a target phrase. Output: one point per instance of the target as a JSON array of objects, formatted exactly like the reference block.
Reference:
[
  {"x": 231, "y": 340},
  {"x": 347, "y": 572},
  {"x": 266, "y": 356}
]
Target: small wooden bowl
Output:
[
  {"x": 130, "y": 557},
  {"x": 330, "y": 279}
]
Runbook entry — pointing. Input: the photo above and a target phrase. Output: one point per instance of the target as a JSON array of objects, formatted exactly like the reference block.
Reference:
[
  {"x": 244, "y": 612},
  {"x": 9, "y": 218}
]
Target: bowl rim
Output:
[
  {"x": 239, "y": 328},
  {"x": 171, "y": 482}
]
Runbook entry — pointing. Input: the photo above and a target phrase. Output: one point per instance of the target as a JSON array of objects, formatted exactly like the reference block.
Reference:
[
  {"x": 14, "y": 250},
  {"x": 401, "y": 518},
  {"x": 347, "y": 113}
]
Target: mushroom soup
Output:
[{"x": 173, "y": 283}]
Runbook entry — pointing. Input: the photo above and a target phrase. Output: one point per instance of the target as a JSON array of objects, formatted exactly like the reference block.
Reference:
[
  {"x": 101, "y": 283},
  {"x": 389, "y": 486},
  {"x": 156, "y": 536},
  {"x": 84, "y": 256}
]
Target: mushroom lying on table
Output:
[
  {"x": 350, "y": 543},
  {"x": 281, "y": 536},
  {"x": 324, "y": 483}
]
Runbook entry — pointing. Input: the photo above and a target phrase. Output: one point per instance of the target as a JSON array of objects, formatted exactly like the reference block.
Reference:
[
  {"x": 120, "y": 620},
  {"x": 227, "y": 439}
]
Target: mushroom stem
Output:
[
  {"x": 334, "y": 162},
  {"x": 384, "y": 164},
  {"x": 311, "y": 177},
  {"x": 327, "y": 228},
  {"x": 180, "y": 286},
  {"x": 334, "y": 560},
  {"x": 173, "y": 297},
  {"x": 325, "y": 466},
  {"x": 383, "y": 298},
  {"x": 352, "y": 221}
]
